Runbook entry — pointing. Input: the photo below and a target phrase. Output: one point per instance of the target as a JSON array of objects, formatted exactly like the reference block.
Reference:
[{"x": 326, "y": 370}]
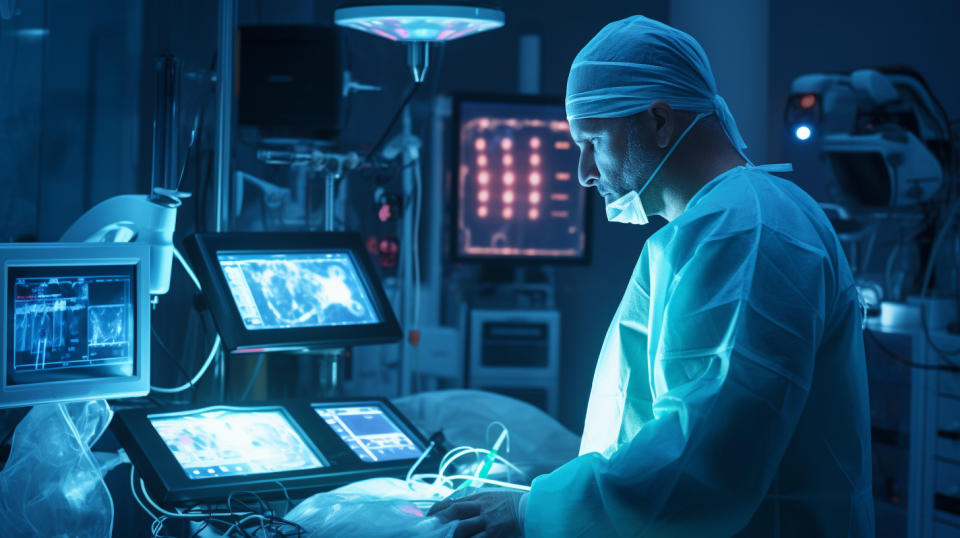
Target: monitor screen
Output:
[
  {"x": 369, "y": 432},
  {"x": 224, "y": 441},
  {"x": 70, "y": 323},
  {"x": 273, "y": 290},
  {"x": 76, "y": 322},
  {"x": 518, "y": 195}
]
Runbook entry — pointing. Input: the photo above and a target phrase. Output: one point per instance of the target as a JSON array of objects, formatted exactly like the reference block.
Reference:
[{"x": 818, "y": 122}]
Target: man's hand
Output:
[{"x": 493, "y": 514}]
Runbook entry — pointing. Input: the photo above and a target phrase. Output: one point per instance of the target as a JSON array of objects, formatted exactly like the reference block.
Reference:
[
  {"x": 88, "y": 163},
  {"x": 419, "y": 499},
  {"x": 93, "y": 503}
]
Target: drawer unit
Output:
[{"x": 948, "y": 428}]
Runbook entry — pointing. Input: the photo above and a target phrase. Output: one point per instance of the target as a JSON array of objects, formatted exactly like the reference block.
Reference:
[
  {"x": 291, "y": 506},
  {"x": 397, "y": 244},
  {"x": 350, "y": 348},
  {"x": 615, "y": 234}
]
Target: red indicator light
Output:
[
  {"x": 808, "y": 101},
  {"x": 508, "y": 212},
  {"x": 506, "y": 144},
  {"x": 482, "y": 211},
  {"x": 508, "y": 178},
  {"x": 534, "y": 213},
  {"x": 480, "y": 144},
  {"x": 535, "y": 142}
]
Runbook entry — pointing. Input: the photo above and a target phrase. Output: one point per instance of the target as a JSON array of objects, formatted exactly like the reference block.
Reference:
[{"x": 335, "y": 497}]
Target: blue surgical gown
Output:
[{"x": 730, "y": 395}]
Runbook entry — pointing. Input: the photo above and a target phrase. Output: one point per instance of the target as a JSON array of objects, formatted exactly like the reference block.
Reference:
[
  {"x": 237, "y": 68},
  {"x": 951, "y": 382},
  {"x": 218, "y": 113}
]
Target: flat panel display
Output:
[
  {"x": 518, "y": 196},
  {"x": 70, "y": 323},
  {"x": 297, "y": 290},
  {"x": 369, "y": 432},
  {"x": 224, "y": 441}
]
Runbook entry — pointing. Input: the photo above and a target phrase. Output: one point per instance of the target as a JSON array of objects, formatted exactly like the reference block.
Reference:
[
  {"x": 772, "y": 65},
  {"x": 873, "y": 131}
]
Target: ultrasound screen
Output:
[
  {"x": 297, "y": 290},
  {"x": 369, "y": 432},
  {"x": 70, "y": 323},
  {"x": 223, "y": 441}
]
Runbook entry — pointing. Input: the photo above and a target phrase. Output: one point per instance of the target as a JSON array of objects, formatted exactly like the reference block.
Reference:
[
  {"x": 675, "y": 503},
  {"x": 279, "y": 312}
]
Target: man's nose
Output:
[{"x": 587, "y": 170}]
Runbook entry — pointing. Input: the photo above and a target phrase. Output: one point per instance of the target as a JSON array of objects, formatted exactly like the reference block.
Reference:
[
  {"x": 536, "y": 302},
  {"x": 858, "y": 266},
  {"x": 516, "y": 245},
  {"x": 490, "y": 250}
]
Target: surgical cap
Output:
[{"x": 635, "y": 61}]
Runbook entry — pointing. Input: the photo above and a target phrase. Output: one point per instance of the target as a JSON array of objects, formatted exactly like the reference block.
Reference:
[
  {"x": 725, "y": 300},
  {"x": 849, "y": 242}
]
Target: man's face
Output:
[{"x": 615, "y": 156}]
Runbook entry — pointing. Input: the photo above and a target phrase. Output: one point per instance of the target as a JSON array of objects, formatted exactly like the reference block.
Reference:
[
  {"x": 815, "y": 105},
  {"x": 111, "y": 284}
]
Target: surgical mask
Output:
[{"x": 628, "y": 209}]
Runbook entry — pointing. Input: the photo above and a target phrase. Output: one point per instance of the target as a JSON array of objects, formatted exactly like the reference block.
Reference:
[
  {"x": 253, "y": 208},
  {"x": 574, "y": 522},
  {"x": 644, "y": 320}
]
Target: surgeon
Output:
[{"x": 730, "y": 395}]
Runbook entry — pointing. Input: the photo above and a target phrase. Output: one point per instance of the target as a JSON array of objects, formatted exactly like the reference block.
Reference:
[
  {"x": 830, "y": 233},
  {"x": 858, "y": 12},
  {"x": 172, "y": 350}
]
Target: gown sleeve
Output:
[{"x": 736, "y": 318}]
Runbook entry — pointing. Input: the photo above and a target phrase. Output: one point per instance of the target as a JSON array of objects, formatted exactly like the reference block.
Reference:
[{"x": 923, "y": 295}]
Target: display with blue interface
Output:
[
  {"x": 369, "y": 432},
  {"x": 70, "y": 323},
  {"x": 225, "y": 441},
  {"x": 297, "y": 290},
  {"x": 517, "y": 190}
]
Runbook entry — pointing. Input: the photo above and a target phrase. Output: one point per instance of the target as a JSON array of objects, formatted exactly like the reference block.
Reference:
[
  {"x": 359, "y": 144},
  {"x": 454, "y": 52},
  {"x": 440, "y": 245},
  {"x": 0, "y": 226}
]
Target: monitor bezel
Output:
[
  {"x": 168, "y": 483},
  {"x": 202, "y": 252},
  {"x": 44, "y": 255},
  {"x": 454, "y": 209}
]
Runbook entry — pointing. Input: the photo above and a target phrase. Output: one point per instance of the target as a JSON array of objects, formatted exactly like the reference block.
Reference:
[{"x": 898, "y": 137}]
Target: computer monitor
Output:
[
  {"x": 76, "y": 322},
  {"x": 230, "y": 441},
  {"x": 369, "y": 431},
  {"x": 291, "y": 291},
  {"x": 272, "y": 449},
  {"x": 517, "y": 196}
]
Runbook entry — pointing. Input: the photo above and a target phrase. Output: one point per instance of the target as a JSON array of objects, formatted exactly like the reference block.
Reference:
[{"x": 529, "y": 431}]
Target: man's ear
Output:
[{"x": 665, "y": 122}]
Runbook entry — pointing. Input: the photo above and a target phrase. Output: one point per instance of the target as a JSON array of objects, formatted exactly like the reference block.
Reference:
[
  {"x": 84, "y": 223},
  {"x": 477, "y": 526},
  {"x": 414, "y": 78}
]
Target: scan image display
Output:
[
  {"x": 227, "y": 441},
  {"x": 72, "y": 326},
  {"x": 369, "y": 433},
  {"x": 282, "y": 291}
]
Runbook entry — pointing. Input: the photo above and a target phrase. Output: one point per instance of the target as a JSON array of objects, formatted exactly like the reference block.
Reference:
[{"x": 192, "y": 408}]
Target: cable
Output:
[
  {"x": 420, "y": 460},
  {"x": 489, "y": 481},
  {"x": 393, "y": 121},
  {"x": 213, "y": 350},
  {"x": 253, "y": 377},
  {"x": 186, "y": 267},
  {"x": 203, "y": 369},
  {"x": 166, "y": 351},
  {"x": 133, "y": 491},
  {"x": 906, "y": 362}
]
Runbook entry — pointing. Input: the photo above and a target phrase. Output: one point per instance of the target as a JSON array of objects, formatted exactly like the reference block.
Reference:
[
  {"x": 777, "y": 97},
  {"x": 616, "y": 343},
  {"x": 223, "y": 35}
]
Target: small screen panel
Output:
[
  {"x": 210, "y": 443},
  {"x": 369, "y": 432},
  {"x": 70, "y": 323},
  {"x": 518, "y": 194},
  {"x": 297, "y": 290}
]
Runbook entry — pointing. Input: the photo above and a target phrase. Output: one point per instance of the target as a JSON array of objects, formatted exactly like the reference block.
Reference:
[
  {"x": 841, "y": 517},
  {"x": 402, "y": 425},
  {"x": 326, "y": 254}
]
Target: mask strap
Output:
[{"x": 699, "y": 117}]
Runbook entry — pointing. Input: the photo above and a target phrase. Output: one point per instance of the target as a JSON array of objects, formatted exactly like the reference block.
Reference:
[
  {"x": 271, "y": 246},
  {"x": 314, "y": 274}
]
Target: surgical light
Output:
[
  {"x": 803, "y": 132},
  {"x": 419, "y": 25}
]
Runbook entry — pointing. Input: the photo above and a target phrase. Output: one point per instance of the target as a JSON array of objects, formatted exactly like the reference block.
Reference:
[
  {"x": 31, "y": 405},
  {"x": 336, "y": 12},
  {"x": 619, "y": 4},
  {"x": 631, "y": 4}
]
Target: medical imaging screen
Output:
[
  {"x": 517, "y": 190},
  {"x": 70, "y": 323},
  {"x": 215, "y": 442},
  {"x": 298, "y": 290},
  {"x": 369, "y": 432}
]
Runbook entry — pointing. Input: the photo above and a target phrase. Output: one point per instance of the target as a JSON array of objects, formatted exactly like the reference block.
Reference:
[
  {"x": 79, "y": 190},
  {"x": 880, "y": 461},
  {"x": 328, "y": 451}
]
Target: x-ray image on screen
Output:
[
  {"x": 369, "y": 432},
  {"x": 223, "y": 441},
  {"x": 283, "y": 291},
  {"x": 71, "y": 326}
]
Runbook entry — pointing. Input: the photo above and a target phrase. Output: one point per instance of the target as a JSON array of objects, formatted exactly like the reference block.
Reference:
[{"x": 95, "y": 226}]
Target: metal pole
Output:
[
  {"x": 406, "y": 243},
  {"x": 330, "y": 181},
  {"x": 166, "y": 115},
  {"x": 227, "y": 29}
]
